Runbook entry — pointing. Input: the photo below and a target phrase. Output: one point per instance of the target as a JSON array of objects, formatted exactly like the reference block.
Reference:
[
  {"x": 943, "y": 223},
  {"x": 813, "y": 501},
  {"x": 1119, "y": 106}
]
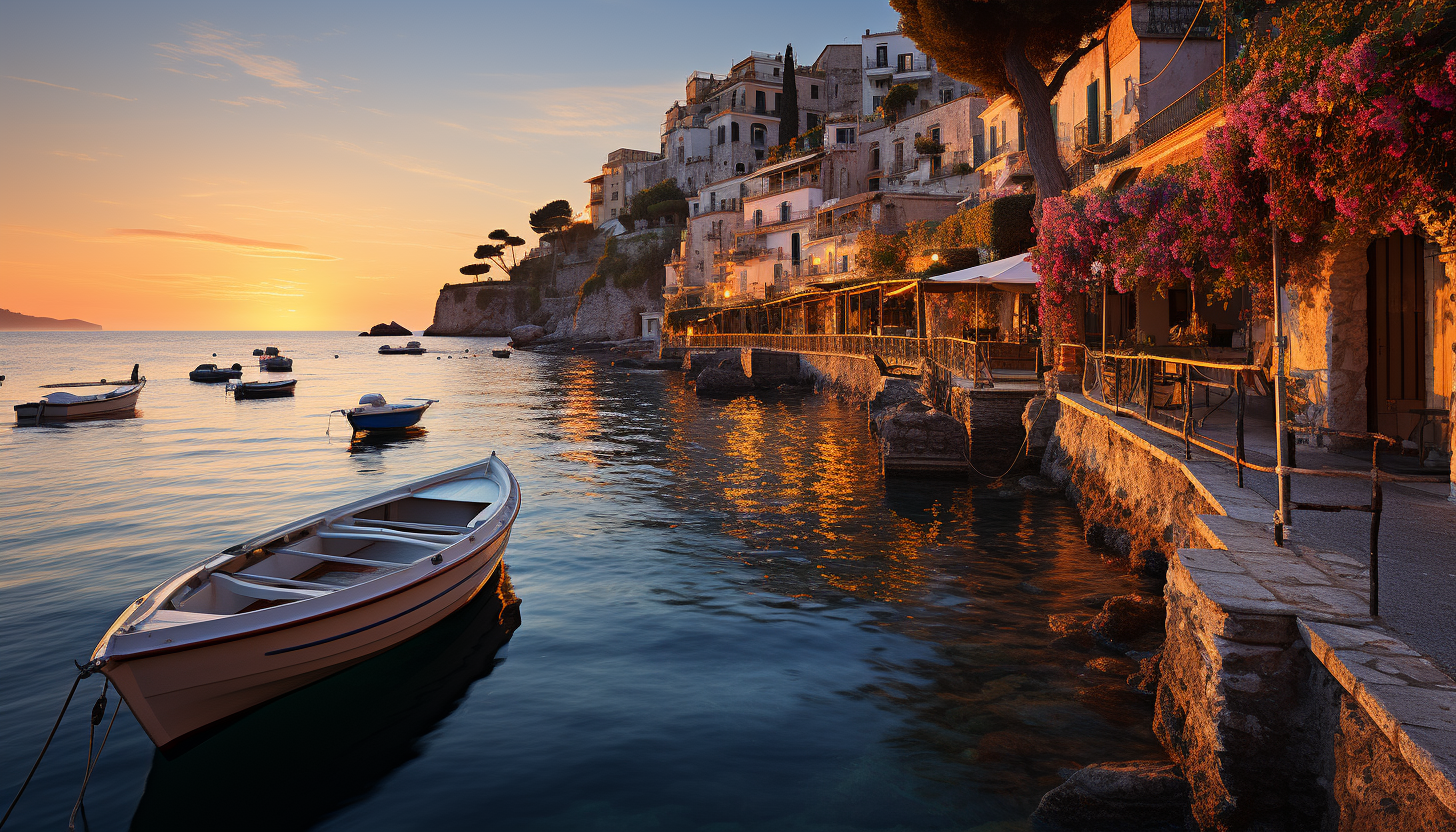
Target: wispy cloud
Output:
[
  {"x": 249, "y": 100},
  {"x": 585, "y": 111},
  {"x": 72, "y": 89},
  {"x": 207, "y": 41},
  {"x": 241, "y": 245},
  {"x": 215, "y": 286},
  {"x": 71, "y": 154},
  {"x": 410, "y": 164}
]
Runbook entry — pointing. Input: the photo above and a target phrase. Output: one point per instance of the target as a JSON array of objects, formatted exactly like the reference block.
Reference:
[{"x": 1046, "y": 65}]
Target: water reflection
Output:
[
  {"x": 298, "y": 759},
  {"x": 376, "y": 442}
]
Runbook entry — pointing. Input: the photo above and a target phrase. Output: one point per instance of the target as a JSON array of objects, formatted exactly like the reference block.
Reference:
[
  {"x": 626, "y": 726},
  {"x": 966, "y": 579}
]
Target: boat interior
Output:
[{"x": 337, "y": 551}]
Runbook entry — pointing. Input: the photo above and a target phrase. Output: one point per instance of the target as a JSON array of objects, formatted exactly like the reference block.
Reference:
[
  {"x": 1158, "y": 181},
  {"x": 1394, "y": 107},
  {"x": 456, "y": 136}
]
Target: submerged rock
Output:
[
  {"x": 1125, "y": 617},
  {"x": 723, "y": 381},
  {"x": 1137, "y": 796},
  {"x": 1038, "y": 485},
  {"x": 916, "y": 438}
]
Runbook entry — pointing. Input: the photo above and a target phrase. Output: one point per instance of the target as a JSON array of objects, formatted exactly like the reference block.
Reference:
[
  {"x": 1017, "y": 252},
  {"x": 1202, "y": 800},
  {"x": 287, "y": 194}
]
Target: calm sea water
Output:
[{"x": 727, "y": 619}]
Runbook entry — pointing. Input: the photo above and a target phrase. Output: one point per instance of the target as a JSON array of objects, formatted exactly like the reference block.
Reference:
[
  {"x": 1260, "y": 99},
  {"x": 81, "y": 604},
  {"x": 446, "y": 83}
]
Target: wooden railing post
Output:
[
  {"x": 1376, "y": 504},
  {"x": 1187, "y": 409},
  {"x": 1239, "y": 426}
]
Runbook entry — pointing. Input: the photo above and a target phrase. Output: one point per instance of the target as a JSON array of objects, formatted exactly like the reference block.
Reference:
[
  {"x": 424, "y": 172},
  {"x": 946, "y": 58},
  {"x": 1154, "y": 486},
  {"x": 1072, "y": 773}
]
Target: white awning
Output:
[{"x": 1009, "y": 274}]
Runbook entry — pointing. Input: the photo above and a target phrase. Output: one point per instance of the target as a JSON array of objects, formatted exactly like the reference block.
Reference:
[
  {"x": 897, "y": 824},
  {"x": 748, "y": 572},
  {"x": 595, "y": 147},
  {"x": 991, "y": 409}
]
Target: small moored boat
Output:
[
  {"x": 272, "y": 361},
  {"x": 262, "y": 389},
  {"x": 374, "y": 413},
  {"x": 62, "y": 406},
  {"x": 211, "y": 373},
  {"x": 501, "y": 353},
  {"x": 306, "y": 600},
  {"x": 412, "y": 348}
]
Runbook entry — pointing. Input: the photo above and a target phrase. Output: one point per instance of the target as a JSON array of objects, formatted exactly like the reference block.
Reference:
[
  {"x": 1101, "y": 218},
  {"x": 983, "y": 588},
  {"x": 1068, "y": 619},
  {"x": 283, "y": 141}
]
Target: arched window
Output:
[
  {"x": 738, "y": 169},
  {"x": 758, "y": 217},
  {"x": 758, "y": 134},
  {"x": 735, "y": 137},
  {"x": 783, "y": 212}
]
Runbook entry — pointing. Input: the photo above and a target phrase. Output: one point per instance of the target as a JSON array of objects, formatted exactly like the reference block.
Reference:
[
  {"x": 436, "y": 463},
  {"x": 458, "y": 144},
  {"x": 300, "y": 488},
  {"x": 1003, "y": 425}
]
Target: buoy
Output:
[
  {"x": 214, "y": 355},
  {"x": 336, "y": 356}
]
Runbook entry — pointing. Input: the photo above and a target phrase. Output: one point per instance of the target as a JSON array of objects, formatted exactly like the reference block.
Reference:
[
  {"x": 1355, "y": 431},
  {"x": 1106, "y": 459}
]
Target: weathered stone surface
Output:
[
  {"x": 391, "y": 328},
  {"x": 1125, "y": 617},
  {"x": 896, "y": 391},
  {"x": 916, "y": 438},
  {"x": 526, "y": 333},
  {"x": 1138, "y": 796},
  {"x": 723, "y": 381},
  {"x": 1039, "y": 420}
]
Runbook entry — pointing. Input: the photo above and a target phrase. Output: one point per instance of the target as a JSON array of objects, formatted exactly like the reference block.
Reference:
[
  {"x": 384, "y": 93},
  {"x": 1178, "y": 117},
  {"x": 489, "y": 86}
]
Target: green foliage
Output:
[
  {"x": 899, "y": 97},
  {"x": 789, "y": 100},
  {"x": 927, "y": 146},
  {"x": 628, "y": 270},
  {"x": 953, "y": 260},
  {"x": 963, "y": 169},
  {"x": 881, "y": 256},
  {"x": 660, "y": 200},
  {"x": 1002, "y": 226},
  {"x": 553, "y": 216}
]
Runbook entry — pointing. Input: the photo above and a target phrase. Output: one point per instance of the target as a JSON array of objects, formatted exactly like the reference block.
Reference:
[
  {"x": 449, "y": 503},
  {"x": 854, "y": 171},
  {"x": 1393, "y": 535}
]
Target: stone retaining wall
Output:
[{"x": 1284, "y": 705}]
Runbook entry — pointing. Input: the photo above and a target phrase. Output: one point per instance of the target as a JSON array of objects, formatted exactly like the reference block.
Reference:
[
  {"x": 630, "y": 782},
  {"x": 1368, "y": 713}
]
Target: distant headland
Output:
[{"x": 15, "y": 322}]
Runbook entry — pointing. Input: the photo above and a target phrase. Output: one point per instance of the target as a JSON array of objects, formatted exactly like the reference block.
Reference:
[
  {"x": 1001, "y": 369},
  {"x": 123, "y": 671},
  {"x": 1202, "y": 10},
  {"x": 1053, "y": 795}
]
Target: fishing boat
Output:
[
  {"x": 62, "y": 406},
  {"x": 412, "y": 348},
  {"x": 501, "y": 353},
  {"x": 262, "y": 389},
  {"x": 374, "y": 413},
  {"x": 211, "y": 373},
  {"x": 308, "y": 599},
  {"x": 271, "y": 360}
]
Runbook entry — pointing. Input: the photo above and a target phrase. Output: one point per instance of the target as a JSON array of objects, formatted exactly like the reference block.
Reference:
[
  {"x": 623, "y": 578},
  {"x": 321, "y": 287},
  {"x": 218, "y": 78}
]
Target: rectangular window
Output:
[
  {"x": 1094, "y": 120},
  {"x": 813, "y": 90},
  {"x": 935, "y": 134},
  {"x": 906, "y": 62},
  {"x": 844, "y": 135},
  {"x": 882, "y": 55},
  {"x": 874, "y": 158},
  {"x": 778, "y": 102},
  {"x": 722, "y": 134},
  {"x": 994, "y": 146},
  {"x": 876, "y": 102},
  {"x": 945, "y": 95}
]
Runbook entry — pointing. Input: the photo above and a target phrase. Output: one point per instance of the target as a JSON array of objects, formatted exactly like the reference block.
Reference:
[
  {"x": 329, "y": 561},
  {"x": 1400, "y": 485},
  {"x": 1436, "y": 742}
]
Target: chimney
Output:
[{"x": 867, "y": 33}]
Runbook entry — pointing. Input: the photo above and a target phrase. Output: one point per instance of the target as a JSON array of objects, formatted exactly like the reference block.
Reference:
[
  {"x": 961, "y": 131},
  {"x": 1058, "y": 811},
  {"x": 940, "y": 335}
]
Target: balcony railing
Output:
[
  {"x": 1089, "y": 159},
  {"x": 771, "y": 220},
  {"x": 917, "y": 64},
  {"x": 1208, "y": 94},
  {"x": 1175, "y": 18},
  {"x": 778, "y": 186}
]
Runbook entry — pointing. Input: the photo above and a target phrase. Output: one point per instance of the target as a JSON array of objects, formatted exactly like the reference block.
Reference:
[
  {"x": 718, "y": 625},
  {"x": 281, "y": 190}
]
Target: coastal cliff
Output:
[
  {"x": 17, "y": 322},
  {"x": 598, "y": 293}
]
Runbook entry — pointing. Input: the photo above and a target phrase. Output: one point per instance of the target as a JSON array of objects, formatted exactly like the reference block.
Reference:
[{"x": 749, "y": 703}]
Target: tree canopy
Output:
[
  {"x": 789, "y": 101},
  {"x": 553, "y": 216},
  {"x": 1021, "y": 48},
  {"x": 660, "y": 200}
]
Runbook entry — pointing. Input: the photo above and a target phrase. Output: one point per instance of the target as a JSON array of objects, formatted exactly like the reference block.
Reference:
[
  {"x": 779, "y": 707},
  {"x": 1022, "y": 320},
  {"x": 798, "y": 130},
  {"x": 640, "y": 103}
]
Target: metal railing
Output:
[
  {"x": 1156, "y": 384},
  {"x": 973, "y": 360},
  {"x": 1089, "y": 159},
  {"x": 1208, "y": 94},
  {"x": 1174, "y": 18},
  {"x": 787, "y": 183}
]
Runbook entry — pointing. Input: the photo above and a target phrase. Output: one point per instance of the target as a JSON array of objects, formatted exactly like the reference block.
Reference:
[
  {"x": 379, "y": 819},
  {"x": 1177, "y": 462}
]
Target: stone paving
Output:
[{"x": 1322, "y": 581}]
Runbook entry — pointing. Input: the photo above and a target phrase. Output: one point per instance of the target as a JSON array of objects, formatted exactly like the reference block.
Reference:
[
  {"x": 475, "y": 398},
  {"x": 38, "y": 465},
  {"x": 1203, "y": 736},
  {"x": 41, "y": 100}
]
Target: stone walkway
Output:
[{"x": 1321, "y": 583}]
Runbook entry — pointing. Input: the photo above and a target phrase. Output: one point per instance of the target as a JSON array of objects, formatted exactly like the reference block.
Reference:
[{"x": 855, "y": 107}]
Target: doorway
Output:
[{"x": 1396, "y": 378}]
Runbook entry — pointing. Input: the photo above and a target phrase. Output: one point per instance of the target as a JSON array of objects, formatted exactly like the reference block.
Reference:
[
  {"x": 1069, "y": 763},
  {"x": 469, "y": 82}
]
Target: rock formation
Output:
[
  {"x": 391, "y": 328},
  {"x": 1140, "y": 796}
]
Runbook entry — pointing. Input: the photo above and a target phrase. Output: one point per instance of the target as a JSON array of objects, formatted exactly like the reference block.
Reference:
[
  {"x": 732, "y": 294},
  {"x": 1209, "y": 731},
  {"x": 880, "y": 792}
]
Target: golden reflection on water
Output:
[{"x": 578, "y": 417}]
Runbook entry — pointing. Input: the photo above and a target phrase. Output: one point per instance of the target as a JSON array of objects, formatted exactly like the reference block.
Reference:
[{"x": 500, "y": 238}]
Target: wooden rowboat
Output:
[
  {"x": 305, "y": 600},
  {"x": 67, "y": 407},
  {"x": 262, "y": 389}
]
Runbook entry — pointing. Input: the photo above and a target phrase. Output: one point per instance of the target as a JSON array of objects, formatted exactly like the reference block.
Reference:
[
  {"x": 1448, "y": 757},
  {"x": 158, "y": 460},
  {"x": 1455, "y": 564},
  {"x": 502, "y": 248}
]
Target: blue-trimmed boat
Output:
[{"x": 374, "y": 413}]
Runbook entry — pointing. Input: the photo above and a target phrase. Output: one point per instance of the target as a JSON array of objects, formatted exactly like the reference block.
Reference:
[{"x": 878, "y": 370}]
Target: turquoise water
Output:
[{"x": 727, "y": 619}]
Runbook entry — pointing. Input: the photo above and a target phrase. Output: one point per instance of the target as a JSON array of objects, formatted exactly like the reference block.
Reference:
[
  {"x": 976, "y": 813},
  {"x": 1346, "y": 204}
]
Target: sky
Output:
[{"x": 301, "y": 166}]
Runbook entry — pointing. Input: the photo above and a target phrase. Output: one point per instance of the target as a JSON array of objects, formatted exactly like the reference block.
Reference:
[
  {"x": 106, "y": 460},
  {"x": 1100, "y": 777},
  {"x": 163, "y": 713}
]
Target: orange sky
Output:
[{"x": 186, "y": 166}]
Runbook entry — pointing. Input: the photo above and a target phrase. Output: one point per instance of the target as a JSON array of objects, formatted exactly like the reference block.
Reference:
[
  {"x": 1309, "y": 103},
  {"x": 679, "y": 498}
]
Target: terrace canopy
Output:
[{"x": 1009, "y": 274}]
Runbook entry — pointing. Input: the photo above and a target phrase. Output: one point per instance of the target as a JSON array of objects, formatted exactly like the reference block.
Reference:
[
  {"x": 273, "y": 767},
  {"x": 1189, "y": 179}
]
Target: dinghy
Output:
[
  {"x": 211, "y": 373},
  {"x": 501, "y": 353},
  {"x": 412, "y": 348},
  {"x": 262, "y": 389},
  {"x": 374, "y": 413},
  {"x": 306, "y": 600},
  {"x": 61, "y": 406},
  {"x": 272, "y": 361}
]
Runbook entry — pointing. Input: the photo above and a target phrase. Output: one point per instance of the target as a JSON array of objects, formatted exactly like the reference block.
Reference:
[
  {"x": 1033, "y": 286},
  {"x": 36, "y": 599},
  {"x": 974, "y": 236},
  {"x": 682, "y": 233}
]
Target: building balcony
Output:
[{"x": 773, "y": 186}]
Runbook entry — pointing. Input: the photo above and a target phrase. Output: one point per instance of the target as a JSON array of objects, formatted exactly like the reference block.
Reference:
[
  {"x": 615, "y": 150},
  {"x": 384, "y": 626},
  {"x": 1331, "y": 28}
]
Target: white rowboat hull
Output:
[
  {"x": 179, "y": 680},
  {"x": 95, "y": 409}
]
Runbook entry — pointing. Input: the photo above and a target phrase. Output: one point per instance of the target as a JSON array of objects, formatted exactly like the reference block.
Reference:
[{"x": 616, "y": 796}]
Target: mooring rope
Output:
[
  {"x": 97, "y": 712},
  {"x": 85, "y": 672}
]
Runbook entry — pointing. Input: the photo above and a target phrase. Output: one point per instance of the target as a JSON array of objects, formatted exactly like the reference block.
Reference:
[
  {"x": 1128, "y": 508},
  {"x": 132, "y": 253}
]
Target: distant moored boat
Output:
[
  {"x": 263, "y": 389},
  {"x": 212, "y": 373},
  {"x": 272, "y": 361},
  {"x": 412, "y": 348}
]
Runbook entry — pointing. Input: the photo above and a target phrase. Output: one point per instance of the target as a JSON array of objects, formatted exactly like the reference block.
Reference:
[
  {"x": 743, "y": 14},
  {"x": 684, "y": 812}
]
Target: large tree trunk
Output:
[{"x": 1036, "y": 114}]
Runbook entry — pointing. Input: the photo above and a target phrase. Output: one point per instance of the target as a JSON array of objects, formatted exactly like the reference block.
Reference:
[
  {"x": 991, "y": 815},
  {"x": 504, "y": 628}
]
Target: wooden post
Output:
[
  {"x": 1376, "y": 504},
  {"x": 1281, "y": 511},
  {"x": 1239, "y": 426},
  {"x": 1187, "y": 410},
  {"x": 1148, "y": 389}
]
